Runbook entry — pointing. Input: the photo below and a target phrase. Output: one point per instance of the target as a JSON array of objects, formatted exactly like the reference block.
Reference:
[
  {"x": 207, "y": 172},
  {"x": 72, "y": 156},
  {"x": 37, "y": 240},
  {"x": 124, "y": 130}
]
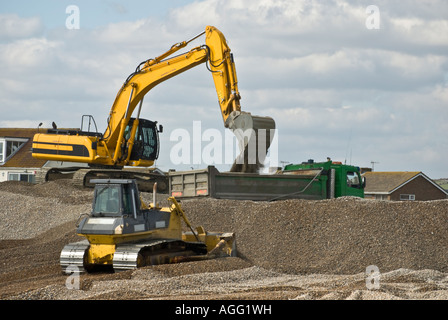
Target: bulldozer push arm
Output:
[{"x": 118, "y": 143}]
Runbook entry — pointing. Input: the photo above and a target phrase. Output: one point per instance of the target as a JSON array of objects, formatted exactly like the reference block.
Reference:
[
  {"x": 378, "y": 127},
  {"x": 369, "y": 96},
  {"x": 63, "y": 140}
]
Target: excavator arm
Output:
[
  {"x": 115, "y": 146},
  {"x": 136, "y": 87}
]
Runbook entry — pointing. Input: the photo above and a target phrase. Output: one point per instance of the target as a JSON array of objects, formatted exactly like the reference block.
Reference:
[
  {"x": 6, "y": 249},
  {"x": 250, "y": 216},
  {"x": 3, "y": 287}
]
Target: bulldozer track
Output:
[
  {"x": 153, "y": 252},
  {"x": 72, "y": 257},
  {"x": 133, "y": 256}
]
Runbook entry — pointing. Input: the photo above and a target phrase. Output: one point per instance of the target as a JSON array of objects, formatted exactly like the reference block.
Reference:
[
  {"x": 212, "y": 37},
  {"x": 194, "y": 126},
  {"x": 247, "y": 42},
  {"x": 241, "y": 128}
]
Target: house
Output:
[
  {"x": 16, "y": 161},
  {"x": 401, "y": 186}
]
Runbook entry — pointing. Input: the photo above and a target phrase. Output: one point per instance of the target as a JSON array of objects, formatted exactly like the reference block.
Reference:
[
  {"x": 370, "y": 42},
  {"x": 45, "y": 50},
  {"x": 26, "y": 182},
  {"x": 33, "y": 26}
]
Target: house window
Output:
[
  {"x": 9, "y": 146},
  {"x": 25, "y": 177},
  {"x": 12, "y": 147},
  {"x": 406, "y": 197}
]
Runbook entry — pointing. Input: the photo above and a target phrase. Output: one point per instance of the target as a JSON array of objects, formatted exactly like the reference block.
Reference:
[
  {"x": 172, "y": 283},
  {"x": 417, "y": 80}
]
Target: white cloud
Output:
[
  {"x": 440, "y": 93},
  {"x": 333, "y": 86},
  {"x": 28, "y": 53},
  {"x": 419, "y": 31},
  {"x": 20, "y": 124},
  {"x": 14, "y": 27},
  {"x": 120, "y": 32}
]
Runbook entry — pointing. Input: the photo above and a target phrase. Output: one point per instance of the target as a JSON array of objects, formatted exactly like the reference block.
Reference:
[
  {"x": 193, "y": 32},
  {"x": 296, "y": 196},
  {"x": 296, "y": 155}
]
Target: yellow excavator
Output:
[{"x": 133, "y": 142}]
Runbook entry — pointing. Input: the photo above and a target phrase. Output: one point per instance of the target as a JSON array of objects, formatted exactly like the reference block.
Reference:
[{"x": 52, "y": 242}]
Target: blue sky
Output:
[
  {"x": 334, "y": 87},
  {"x": 94, "y": 13}
]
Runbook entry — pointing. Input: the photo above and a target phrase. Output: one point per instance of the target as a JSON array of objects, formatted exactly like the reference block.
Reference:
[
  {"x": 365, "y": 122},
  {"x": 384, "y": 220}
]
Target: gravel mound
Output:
[
  {"x": 28, "y": 210},
  {"x": 239, "y": 282},
  {"x": 338, "y": 236},
  {"x": 291, "y": 249}
]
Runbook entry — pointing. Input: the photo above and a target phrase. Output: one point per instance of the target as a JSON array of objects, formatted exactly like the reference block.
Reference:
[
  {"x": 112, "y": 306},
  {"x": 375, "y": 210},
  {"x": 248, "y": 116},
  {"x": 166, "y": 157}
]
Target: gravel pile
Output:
[
  {"x": 338, "y": 236},
  {"x": 28, "y": 210},
  {"x": 231, "y": 278},
  {"x": 292, "y": 249}
]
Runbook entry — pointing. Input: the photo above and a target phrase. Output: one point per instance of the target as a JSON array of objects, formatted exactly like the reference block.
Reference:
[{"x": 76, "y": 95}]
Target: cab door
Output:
[{"x": 146, "y": 143}]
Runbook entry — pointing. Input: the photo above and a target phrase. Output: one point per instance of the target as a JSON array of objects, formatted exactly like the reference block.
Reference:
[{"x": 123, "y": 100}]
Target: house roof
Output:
[
  {"x": 388, "y": 182},
  {"x": 385, "y": 182},
  {"x": 22, "y": 158}
]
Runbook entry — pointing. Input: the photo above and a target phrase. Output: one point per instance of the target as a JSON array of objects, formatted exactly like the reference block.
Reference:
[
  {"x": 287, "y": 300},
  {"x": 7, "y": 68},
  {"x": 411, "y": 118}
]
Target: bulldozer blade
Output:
[
  {"x": 219, "y": 244},
  {"x": 254, "y": 135}
]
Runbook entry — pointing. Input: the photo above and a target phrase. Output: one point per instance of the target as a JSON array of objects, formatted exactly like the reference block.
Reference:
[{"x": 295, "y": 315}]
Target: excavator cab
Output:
[{"x": 146, "y": 140}]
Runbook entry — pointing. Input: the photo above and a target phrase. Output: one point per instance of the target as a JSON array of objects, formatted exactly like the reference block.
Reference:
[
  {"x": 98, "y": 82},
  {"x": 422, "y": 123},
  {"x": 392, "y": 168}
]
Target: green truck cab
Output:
[{"x": 341, "y": 179}]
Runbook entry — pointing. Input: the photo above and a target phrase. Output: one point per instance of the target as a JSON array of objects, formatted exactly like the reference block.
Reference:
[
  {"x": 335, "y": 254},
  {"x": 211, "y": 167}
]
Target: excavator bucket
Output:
[{"x": 254, "y": 135}]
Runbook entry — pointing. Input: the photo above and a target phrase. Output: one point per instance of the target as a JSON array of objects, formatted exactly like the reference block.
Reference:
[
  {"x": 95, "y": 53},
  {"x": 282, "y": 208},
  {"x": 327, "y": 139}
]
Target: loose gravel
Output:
[
  {"x": 339, "y": 236},
  {"x": 28, "y": 210},
  {"x": 292, "y": 249}
]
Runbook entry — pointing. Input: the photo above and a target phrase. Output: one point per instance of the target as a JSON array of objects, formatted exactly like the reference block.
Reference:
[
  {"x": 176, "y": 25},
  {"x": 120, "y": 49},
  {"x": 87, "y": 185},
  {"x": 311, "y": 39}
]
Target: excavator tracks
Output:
[{"x": 80, "y": 177}]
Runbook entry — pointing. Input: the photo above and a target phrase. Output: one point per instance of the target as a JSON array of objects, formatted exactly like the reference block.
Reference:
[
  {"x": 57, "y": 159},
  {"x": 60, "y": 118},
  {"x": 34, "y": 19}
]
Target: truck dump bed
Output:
[{"x": 310, "y": 184}]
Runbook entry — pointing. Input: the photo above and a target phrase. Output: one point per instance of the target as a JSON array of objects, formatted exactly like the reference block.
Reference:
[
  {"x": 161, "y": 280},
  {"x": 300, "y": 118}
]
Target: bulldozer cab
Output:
[
  {"x": 122, "y": 235},
  {"x": 115, "y": 197}
]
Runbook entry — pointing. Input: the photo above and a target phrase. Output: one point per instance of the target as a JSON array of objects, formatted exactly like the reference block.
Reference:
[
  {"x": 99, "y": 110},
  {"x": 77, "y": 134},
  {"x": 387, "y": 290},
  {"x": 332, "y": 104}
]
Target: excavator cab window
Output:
[{"x": 146, "y": 143}]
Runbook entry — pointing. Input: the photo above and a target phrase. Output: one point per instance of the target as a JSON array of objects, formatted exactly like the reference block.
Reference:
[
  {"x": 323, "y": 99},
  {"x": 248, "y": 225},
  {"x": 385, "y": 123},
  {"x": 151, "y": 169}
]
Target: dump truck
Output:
[{"x": 308, "y": 180}]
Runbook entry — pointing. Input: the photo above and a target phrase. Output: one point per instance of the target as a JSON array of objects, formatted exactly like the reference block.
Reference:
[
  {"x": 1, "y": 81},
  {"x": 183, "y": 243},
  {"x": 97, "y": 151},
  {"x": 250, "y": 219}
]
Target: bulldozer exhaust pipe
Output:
[{"x": 154, "y": 195}]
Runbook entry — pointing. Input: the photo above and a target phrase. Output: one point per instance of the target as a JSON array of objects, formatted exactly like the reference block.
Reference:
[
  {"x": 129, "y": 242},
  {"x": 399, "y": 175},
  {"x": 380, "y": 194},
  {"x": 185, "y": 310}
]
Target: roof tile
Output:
[
  {"x": 22, "y": 158},
  {"x": 387, "y": 181}
]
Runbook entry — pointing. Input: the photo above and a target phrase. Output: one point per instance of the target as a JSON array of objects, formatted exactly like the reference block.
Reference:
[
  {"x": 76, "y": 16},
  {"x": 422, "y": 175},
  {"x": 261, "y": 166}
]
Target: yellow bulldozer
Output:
[{"x": 123, "y": 233}]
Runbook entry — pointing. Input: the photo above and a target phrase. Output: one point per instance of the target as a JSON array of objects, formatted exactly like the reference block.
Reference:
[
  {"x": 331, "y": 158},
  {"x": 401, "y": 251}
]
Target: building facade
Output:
[
  {"x": 16, "y": 161},
  {"x": 402, "y": 186}
]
